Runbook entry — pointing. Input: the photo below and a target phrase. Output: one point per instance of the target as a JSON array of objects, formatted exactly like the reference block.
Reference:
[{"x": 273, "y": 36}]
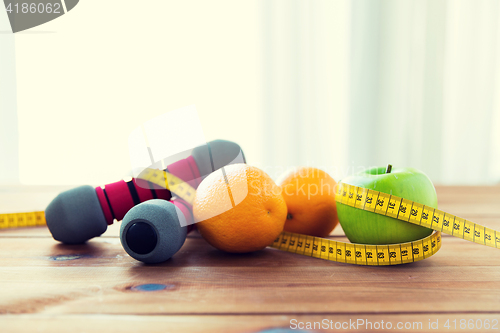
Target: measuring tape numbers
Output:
[
  {"x": 170, "y": 182},
  {"x": 413, "y": 212},
  {"x": 390, "y": 254},
  {"x": 359, "y": 254},
  {"x": 20, "y": 220}
]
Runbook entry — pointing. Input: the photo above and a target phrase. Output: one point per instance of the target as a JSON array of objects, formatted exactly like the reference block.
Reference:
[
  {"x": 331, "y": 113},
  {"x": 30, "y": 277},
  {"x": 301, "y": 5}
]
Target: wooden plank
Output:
[
  {"x": 249, "y": 323},
  {"x": 40, "y": 252},
  {"x": 469, "y": 201},
  {"x": 99, "y": 278},
  {"x": 112, "y": 231}
]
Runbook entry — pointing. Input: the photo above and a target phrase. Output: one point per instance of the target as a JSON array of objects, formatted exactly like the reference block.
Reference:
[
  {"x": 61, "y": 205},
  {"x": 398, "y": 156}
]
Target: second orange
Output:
[{"x": 310, "y": 198}]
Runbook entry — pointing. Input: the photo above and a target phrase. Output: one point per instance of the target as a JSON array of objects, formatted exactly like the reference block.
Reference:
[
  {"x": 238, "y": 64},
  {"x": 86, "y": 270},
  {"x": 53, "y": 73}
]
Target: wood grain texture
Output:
[
  {"x": 50, "y": 286},
  {"x": 237, "y": 323}
]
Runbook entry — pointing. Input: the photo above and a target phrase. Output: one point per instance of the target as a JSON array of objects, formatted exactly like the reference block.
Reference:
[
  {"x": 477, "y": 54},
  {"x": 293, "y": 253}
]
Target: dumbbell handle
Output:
[
  {"x": 187, "y": 211},
  {"x": 118, "y": 198}
]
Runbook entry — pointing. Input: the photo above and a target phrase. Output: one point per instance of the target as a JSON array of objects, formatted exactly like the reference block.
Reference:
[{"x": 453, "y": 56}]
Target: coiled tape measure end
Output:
[
  {"x": 20, "y": 220},
  {"x": 391, "y": 254},
  {"x": 359, "y": 254}
]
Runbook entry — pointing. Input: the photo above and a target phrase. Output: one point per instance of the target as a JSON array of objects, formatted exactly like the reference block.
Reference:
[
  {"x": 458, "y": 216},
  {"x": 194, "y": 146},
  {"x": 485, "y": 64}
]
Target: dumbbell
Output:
[
  {"x": 79, "y": 214},
  {"x": 153, "y": 231}
]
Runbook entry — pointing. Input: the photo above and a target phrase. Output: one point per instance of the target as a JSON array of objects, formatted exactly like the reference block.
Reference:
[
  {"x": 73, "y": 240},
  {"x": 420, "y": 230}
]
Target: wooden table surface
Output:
[{"x": 50, "y": 287}]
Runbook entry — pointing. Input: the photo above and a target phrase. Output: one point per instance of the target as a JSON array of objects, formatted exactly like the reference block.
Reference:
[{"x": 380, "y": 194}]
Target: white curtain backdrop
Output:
[
  {"x": 422, "y": 80},
  {"x": 341, "y": 85},
  {"x": 306, "y": 85},
  {"x": 74, "y": 90},
  {"x": 9, "y": 141}
]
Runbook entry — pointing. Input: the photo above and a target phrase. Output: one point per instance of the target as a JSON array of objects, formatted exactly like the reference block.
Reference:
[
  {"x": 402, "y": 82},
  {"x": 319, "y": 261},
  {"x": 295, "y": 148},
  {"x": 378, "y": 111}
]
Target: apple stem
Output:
[{"x": 389, "y": 168}]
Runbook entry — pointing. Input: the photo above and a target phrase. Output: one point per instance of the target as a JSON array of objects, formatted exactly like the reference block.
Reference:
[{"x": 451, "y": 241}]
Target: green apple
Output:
[{"x": 365, "y": 227}]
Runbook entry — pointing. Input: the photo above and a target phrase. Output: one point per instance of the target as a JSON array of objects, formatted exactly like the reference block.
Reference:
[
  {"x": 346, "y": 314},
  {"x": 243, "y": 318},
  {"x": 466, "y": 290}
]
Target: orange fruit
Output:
[
  {"x": 240, "y": 209},
  {"x": 310, "y": 198}
]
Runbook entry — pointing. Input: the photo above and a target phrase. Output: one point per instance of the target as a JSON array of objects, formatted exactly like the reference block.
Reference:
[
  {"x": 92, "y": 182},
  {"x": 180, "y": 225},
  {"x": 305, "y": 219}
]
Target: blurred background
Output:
[{"x": 340, "y": 85}]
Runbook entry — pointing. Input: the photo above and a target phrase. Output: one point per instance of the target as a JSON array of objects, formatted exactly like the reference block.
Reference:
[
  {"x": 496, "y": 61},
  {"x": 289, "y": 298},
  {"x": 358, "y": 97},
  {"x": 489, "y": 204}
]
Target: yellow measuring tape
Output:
[
  {"x": 170, "y": 182},
  {"x": 354, "y": 196},
  {"x": 161, "y": 178},
  {"x": 391, "y": 254},
  {"x": 413, "y": 212},
  {"x": 359, "y": 254},
  {"x": 19, "y": 220}
]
